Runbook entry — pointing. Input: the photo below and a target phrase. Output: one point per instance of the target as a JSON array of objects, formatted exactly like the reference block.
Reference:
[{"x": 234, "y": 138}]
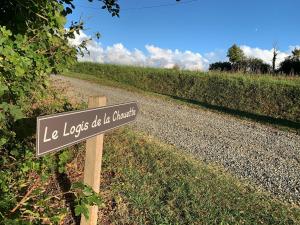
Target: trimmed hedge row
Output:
[{"x": 276, "y": 97}]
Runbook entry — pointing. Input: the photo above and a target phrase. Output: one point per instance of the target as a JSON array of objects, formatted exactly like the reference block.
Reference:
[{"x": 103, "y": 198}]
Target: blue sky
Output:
[{"x": 206, "y": 27}]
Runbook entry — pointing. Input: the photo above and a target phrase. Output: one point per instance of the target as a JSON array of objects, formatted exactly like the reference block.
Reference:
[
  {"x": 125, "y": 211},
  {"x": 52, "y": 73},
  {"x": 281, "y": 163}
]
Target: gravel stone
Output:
[{"x": 262, "y": 154}]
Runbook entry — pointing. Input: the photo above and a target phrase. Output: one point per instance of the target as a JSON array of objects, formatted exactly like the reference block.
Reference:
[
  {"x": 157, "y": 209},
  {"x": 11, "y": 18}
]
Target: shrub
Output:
[
  {"x": 33, "y": 43},
  {"x": 276, "y": 97}
]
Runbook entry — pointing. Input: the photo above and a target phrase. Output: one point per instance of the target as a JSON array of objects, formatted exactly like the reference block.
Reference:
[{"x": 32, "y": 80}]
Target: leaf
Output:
[
  {"x": 82, "y": 209},
  {"x": 94, "y": 200},
  {"x": 68, "y": 10},
  {"x": 25, "y": 168},
  {"x": 14, "y": 152},
  {"x": 16, "y": 112},
  {"x": 3, "y": 88},
  {"x": 87, "y": 191},
  {"x": 13, "y": 110},
  {"x": 3, "y": 141},
  {"x": 77, "y": 185}
]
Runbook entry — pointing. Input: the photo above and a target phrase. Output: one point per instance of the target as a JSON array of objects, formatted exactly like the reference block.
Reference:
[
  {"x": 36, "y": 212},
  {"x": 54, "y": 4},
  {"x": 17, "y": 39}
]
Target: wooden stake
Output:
[{"x": 92, "y": 164}]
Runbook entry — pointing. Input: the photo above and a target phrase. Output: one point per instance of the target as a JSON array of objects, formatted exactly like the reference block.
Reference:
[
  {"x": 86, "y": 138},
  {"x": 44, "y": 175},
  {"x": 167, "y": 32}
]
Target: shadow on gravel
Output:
[{"x": 258, "y": 118}]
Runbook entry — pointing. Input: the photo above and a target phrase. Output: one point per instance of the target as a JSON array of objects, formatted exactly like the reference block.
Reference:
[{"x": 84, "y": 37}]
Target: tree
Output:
[
  {"x": 33, "y": 44},
  {"x": 275, "y": 53},
  {"x": 291, "y": 64},
  {"x": 176, "y": 67},
  {"x": 220, "y": 66},
  {"x": 296, "y": 54},
  {"x": 236, "y": 56},
  {"x": 255, "y": 65}
]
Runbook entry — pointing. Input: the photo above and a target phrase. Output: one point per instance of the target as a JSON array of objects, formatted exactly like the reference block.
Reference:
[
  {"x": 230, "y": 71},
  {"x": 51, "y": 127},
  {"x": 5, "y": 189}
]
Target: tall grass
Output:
[{"x": 277, "y": 97}]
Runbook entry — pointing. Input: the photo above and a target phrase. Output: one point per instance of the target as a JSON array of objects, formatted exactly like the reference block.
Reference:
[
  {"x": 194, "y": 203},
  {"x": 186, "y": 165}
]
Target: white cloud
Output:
[
  {"x": 78, "y": 38},
  {"x": 118, "y": 54},
  {"x": 96, "y": 51},
  {"x": 166, "y": 58},
  {"x": 154, "y": 56},
  {"x": 292, "y": 47},
  {"x": 265, "y": 54},
  {"x": 216, "y": 56}
]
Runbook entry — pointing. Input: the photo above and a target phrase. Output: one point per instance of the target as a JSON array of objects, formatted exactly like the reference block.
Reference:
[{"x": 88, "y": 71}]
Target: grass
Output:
[
  {"x": 275, "y": 122},
  {"x": 147, "y": 182}
]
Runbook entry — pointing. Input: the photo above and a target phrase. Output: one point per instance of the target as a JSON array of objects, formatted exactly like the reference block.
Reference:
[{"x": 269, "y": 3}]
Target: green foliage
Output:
[
  {"x": 63, "y": 158},
  {"x": 85, "y": 196},
  {"x": 277, "y": 97},
  {"x": 291, "y": 65},
  {"x": 239, "y": 62},
  {"x": 33, "y": 44},
  {"x": 24, "y": 179},
  {"x": 257, "y": 66},
  {"x": 235, "y": 54},
  {"x": 220, "y": 66},
  {"x": 296, "y": 53}
]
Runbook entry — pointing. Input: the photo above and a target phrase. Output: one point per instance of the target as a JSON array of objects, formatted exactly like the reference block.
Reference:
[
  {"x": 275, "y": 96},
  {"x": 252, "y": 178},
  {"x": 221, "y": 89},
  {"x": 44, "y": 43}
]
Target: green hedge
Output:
[{"x": 277, "y": 97}]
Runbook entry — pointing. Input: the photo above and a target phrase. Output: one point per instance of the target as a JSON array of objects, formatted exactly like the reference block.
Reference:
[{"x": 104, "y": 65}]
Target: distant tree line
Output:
[{"x": 238, "y": 62}]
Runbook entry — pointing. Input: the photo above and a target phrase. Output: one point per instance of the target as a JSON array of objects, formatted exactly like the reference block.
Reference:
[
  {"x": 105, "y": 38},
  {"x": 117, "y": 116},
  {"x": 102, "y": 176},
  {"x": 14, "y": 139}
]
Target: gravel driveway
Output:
[{"x": 265, "y": 155}]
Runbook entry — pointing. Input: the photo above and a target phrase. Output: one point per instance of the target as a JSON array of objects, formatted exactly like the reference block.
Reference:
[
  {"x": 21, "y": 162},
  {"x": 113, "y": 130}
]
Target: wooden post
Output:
[{"x": 92, "y": 164}]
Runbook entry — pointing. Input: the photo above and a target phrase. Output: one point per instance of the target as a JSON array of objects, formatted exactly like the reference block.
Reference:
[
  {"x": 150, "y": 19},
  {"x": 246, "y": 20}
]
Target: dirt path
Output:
[{"x": 265, "y": 155}]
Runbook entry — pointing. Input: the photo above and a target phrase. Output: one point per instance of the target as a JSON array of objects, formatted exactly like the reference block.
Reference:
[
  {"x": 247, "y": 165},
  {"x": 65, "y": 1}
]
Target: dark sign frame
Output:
[{"x": 68, "y": 114}]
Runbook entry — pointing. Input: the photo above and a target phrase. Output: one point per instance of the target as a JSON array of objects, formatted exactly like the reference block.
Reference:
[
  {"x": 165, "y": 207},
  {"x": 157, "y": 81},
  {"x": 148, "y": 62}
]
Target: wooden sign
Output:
[{"x": 60, "y": 130}]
